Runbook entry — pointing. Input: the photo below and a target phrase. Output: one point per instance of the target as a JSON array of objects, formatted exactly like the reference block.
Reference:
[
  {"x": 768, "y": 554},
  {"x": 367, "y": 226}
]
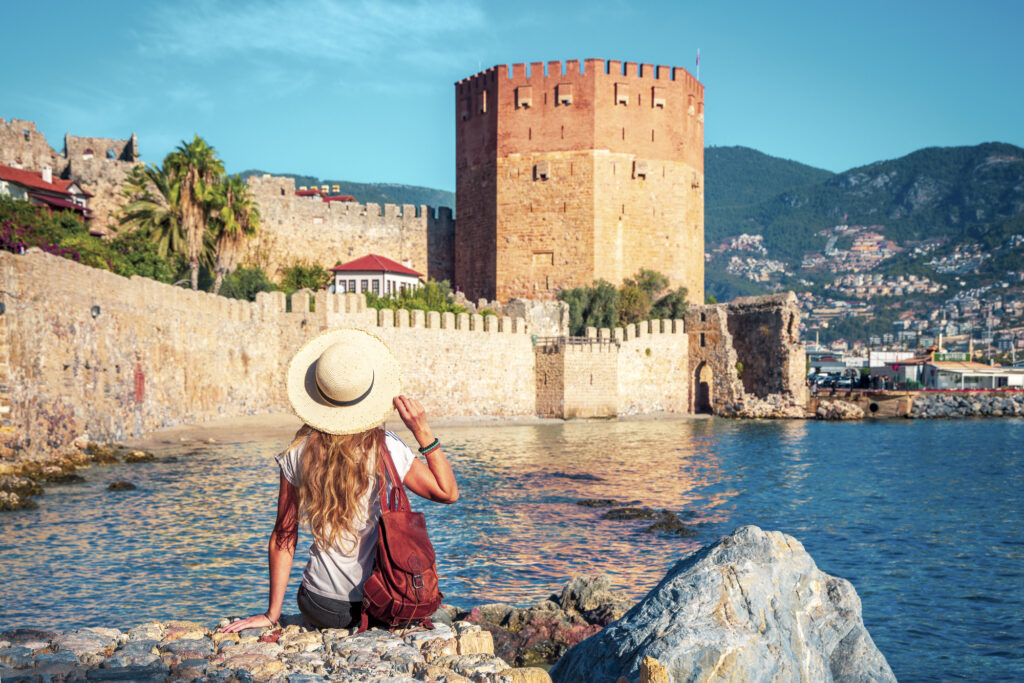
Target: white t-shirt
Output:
[{"x": 335, "y": 573}]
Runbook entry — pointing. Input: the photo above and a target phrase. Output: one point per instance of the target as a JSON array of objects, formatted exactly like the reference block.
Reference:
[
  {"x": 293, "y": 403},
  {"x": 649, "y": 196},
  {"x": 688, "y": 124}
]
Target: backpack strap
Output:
[{"x": 399, "y": 501}]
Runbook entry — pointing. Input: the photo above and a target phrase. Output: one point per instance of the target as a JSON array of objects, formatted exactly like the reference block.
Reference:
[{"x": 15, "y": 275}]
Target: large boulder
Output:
[{"x": 751, "y": 607}]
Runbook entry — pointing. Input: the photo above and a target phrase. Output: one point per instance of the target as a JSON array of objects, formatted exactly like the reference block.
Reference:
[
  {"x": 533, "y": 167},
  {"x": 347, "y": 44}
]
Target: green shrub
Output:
[{"x": 246, "y": 283}]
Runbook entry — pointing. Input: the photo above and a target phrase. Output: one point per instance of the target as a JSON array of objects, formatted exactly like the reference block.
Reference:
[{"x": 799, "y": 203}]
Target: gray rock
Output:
[
  {"x": 142, "y": 674},
  {"x": 197, "y": 646},
  {"x": 16, "y": 657},
  {"x": 751, "y": 607},
  {"x": 63, "y": 657}
]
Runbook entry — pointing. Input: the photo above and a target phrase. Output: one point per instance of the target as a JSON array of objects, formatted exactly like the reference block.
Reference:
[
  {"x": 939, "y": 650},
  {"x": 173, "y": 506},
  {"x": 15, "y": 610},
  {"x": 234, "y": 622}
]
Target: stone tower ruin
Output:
[{"x": 568, "y": 174}]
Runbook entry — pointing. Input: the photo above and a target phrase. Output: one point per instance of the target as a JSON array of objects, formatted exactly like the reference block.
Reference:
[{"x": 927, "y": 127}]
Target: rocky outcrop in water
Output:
[
  {"x": 751, "y": 607},
  {"x": 968, "y": 404},
  {"x": 186, "y": 651},
  {"x": 839, "y": 410},
  {"x": 22, "y": 478},
  {"x": 538, "y": 635},
  {"x": 772, "y": 406}
]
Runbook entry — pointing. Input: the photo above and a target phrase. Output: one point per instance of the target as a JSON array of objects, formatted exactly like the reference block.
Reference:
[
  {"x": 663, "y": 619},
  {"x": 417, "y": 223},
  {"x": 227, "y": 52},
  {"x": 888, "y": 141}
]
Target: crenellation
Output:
[
  {"x": 448, "y": 321},
  {"x": 385, "y": 318},
  {"x": 433, "y": 320},
  {"x": 505, "y": 325},
  {"x": 402, "y": 318},
  {"x": 417, "y": 319},
  {"x": 300, "y": 302},
  {"x": 462, "y": 321}
]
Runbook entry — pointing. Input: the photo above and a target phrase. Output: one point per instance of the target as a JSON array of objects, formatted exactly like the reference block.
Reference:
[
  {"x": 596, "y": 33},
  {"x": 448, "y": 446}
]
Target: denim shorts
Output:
[{"x": 323, "y": 612}]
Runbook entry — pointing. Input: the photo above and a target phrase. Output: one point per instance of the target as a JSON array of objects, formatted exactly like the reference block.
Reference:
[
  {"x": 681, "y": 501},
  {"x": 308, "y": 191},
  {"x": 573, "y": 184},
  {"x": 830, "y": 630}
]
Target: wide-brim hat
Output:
[{"x": 343, "y": 381}]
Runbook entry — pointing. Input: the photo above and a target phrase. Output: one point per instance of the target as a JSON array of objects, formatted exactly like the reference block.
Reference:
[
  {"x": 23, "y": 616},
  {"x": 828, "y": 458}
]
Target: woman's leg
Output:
[{"x": 324, "y": 612}]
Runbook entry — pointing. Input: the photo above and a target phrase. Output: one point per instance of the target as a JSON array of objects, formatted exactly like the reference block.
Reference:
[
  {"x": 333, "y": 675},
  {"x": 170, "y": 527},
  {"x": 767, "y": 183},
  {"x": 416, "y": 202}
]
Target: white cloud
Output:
[{"x": 322, "y": 32}]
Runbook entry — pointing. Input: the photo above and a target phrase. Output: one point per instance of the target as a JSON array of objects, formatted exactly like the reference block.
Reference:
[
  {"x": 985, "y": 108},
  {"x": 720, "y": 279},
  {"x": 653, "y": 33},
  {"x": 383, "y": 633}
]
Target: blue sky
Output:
[{"x": 363, "y": 91}]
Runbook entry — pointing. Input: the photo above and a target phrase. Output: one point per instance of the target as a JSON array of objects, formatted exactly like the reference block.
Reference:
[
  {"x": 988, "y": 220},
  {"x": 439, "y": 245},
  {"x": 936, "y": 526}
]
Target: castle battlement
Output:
[
  {"x": 526, "y": 71},
  {"x": 268, "y": 187}
]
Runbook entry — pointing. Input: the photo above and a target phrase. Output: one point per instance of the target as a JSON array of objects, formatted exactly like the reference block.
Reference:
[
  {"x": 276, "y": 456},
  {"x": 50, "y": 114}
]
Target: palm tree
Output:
[
  {"x": 235, "y": 217},
  {"x": 197, "y": 169},
  {"x": 153, "y": 205}
]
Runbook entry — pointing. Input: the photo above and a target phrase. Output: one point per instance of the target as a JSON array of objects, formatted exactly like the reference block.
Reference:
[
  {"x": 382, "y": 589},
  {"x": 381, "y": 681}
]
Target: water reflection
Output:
[{"x": 927, "y": 536}]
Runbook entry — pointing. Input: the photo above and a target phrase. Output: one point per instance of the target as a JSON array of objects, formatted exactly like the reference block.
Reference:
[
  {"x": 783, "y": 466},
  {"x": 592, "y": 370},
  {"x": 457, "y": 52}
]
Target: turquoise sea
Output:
[{"x": 923, "y": 517}]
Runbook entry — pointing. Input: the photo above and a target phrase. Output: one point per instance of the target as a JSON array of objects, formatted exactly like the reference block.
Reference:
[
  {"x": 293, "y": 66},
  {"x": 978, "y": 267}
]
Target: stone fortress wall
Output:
[
  {"x": 91, "y": 352},
  {"x": 155, "y": 355},
  {"x": 98, "y": 165},
  {"x": 568, "y": 174},
  {"x": 314, "y": 231}
]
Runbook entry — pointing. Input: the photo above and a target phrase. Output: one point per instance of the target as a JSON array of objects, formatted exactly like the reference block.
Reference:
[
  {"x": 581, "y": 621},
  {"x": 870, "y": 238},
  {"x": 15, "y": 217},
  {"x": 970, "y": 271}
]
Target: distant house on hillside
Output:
[
  {"x": 41, "y": 189},
  {"x": 373, "y": 273}
]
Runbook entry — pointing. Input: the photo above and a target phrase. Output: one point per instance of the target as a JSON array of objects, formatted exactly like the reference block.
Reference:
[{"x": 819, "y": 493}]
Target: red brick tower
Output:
[{"x": 566, "y": 175}]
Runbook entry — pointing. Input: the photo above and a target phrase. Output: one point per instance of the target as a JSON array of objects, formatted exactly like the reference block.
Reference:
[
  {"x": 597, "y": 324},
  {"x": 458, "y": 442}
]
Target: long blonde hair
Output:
[{"x": 336, "y": 471}]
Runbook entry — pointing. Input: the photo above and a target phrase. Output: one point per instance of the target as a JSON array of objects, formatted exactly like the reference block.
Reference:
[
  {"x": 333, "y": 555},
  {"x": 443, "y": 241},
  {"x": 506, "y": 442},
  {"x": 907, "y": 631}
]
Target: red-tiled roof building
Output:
[
  {"x": 374, "y": 273},
  {"x": 41, "y": 189}
]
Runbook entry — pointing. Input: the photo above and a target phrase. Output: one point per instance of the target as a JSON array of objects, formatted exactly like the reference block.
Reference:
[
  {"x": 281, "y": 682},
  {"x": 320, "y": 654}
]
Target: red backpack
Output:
[{"x": 402, "y": 588}]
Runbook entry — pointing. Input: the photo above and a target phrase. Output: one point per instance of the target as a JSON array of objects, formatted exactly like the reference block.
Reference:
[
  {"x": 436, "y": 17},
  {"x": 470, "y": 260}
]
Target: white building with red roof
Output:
[
  {"x": 373, "y": 273},
  {"x": 40, "y": 188}
]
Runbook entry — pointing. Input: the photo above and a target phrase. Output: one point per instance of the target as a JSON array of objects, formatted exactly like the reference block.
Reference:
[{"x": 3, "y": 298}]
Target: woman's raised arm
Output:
[{"x": 434, "y": 481}]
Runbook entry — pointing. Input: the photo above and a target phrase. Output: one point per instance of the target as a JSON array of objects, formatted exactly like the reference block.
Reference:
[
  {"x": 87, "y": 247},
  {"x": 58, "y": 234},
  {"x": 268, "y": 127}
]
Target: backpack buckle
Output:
[{"x": 417, "y": 580}]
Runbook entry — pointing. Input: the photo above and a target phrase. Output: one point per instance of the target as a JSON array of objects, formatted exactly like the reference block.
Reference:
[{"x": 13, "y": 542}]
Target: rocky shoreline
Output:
[
  {"x": 972, "y": 404},
  {"x": 21, "y": 479},
  {"x": 752, "y": 606}
]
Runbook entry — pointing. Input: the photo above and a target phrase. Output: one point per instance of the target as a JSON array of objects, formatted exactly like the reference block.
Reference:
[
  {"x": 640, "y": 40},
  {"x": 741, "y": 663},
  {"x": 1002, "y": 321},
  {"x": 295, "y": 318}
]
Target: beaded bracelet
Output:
[{"x": 434, "y": 445}]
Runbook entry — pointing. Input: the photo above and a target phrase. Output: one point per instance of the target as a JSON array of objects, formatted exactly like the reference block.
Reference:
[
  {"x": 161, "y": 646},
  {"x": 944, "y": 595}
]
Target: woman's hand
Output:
[
  {"x": 415, "y": 418},
  {"x": 256, "y": 621}
]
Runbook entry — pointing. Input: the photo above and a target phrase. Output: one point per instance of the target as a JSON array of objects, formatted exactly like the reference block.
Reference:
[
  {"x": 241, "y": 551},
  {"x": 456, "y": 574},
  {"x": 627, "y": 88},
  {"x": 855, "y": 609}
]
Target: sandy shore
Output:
[{"x": 282, "y": 426}]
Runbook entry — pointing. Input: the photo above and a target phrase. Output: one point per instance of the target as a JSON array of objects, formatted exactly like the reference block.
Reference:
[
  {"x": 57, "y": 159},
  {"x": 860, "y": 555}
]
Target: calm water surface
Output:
[{"x": 923, "y": 517}]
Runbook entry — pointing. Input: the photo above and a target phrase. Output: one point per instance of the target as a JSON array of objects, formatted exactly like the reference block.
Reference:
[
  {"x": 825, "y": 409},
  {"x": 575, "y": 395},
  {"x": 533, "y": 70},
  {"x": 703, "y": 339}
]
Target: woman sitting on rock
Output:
[{"x": 342, "y": 385}]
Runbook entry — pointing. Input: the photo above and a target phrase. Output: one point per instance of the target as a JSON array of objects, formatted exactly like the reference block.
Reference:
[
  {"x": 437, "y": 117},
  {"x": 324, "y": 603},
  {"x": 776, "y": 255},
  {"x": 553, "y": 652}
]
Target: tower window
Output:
[
  {"x": 622, "y": 94},
  {"x": 563, "y": 94},
  {"x": 483, "y": 102},
  {"x": 524, "y": 97},
  {"x": 658, "y": 97},
  {"x": 639, "y": 169},
  {"x": 541, "y": 170}
]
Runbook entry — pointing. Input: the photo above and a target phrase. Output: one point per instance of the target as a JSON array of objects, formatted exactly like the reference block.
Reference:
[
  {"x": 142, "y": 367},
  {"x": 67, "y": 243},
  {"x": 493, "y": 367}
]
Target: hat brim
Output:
[{"x": 311, "y": 407}]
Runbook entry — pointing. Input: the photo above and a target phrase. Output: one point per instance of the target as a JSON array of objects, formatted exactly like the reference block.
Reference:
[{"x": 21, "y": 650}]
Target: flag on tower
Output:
[{"x": 698, "y": 63}]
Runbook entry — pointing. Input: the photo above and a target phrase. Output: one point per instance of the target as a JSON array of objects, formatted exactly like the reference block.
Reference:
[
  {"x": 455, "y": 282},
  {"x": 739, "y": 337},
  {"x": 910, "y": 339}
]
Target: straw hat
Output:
[{"x": 343, "y": 381}]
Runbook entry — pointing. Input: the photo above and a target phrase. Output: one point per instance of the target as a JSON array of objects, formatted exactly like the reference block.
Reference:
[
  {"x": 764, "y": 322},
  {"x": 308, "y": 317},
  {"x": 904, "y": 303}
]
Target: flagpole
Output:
[{"x": 698, "y": 63}]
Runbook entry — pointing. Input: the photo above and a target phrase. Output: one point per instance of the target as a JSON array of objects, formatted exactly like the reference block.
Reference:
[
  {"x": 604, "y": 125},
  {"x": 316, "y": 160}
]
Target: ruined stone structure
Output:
[
  {"x": 565, "y": 175},
  {"x": 748, "y": 347},
  {"x": 98, "y": 165},
  {"x": 296, "y": 228}
]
